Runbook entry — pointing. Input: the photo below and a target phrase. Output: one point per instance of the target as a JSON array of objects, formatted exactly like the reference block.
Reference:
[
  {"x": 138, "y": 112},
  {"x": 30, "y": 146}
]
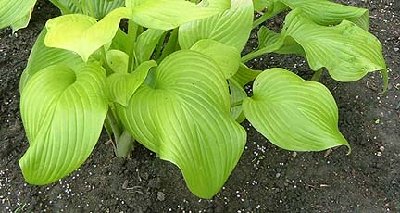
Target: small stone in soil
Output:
[{"x": 160, "y": 196}]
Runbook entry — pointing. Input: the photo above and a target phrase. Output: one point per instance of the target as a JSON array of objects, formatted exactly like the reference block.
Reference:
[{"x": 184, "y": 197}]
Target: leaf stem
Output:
[
  {"x": 317, "y": 75},
  {"x": 133, "y": 29}
]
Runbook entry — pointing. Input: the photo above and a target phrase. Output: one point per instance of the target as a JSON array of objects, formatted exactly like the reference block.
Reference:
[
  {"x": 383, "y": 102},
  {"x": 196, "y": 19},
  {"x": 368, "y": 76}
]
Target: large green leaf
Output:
[
  {"x": 185, "y": 118},
  {"x": 83, "y": 34},
  {"x": 170, "y": 14},
  {"x": 121, "y": 86},
  {"x": 231, "y": 27},
  {"x": 346, "y": 50},
  {"x": 328, "y": 13},
  {"x": 15, "y": 13},
  {"x": 292, "y": 113},
  {"x": 63, "y": 113},
  {"x": 227, "y": 57},
  {"x": 42, "y": 57}
]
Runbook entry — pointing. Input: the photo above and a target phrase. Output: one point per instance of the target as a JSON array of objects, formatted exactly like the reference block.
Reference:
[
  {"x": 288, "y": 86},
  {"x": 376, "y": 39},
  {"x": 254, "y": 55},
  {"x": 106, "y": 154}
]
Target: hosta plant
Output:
[{"x": 169, "y": 74}]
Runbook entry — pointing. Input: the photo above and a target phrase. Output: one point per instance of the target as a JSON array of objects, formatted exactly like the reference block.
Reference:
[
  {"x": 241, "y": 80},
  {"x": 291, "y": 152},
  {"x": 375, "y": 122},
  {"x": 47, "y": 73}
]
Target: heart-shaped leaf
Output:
[
  {"x": 185, "y": 118},
  {"x": 292, "y": 113},
  {"x": 63, "y": 113},
  {"x": 83, "y": 34},
  {"x": 346, "y": 50}
]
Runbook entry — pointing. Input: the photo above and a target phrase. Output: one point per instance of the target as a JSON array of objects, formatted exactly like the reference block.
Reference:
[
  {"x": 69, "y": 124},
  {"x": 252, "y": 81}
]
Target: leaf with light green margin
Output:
[
  {"x": 83, "y": 34},
  {"x": 121, "y": 86},
  {"x": 42, "y": 57},
  {"x": 329, "y": 13},
  {"x": 63, "y": 112},
  {"x": 185, "y": 118},
  {"x": 237, "y": 96},
  {"x": 346, "y": 50},
  {"x": 227, "y": 57},
  {"x": 231, "y": 27},
  {"x": 146, "y": 43},
  {"x": 170, "y": 14},
  {"x": 117, "y": 61},
  {"x": 15, "y": 13},
  {"x": 292, "y": 113},
  {"x": 244, "y": 75}
]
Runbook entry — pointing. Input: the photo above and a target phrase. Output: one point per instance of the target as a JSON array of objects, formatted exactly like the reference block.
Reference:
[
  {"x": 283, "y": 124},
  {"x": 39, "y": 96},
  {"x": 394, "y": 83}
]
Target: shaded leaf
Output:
[{"x": 122, "y": 85}]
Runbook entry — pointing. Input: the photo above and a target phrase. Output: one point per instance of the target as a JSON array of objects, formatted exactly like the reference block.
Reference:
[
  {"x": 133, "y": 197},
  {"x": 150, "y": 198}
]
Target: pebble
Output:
[
  {"x": 396, "y": 49},
  {"x": 160, "y": 196}
]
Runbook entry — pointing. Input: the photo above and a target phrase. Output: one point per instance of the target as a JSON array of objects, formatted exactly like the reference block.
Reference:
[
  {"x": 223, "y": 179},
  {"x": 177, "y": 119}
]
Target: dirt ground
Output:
[{"x": 267, "y": 179}]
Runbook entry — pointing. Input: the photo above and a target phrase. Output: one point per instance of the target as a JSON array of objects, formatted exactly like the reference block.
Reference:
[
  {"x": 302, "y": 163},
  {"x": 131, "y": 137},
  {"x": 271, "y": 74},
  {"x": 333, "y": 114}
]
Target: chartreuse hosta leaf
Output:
[
  {"x": 122, "y": 85},
  {"x": 163, "y": 15},
  {"x": 184, "y": 116},
  {"x": 83, "y": 34},
  {"x": 42, "y": 57},
  {"x": 231, "y": 27},
  {"x": 227, "y": 57},
  {"x": 63, "y": 112},
  {"x": 328, "y": 13},
  {"x": 346, "y": 50},
  {"x": 15, "y": 13},
  {"x": 292, "y": 113}
]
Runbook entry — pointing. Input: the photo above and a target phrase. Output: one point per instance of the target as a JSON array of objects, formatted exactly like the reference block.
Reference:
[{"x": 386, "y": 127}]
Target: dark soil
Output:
[{"x": 267, "y": 178}]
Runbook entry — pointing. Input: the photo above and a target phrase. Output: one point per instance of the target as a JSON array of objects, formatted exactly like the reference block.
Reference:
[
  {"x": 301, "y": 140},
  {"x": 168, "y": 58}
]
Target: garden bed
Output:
[{"x": 267, "y": 179}]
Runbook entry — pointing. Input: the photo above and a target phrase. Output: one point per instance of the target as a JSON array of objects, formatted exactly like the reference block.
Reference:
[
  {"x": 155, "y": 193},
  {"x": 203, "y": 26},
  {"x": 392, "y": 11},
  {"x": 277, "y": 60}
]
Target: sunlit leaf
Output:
[
  {"x": 185, "y": 118},
  {"x": 63, "y": 113},
  {"x": 346, "y": 50},
  {"x": 42, "y": 57},
  {"x": 170, "y": 14},
  {"x": 292, "y": 113},
  {"x": 15, "y": 13},
  {"x": 231, "y": 27},
  {"x": 83, "y": 34},
  {"x": 227, "y": 57}
]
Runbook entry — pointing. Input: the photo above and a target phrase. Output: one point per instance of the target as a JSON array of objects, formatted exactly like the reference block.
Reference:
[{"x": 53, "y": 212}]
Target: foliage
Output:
[{"x": 172, "y": 78}]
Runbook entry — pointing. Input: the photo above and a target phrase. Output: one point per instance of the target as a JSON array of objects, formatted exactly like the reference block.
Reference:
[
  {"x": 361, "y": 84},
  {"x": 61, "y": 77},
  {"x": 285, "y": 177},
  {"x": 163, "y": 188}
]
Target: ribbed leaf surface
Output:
[
  {"x": 292, "y": 113},
  {"x": 186, "y": 120},
  {"x": 63, "y": 114},
  {"x": 231, "y": 27},
  {"x": 15, "y": 13}
]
